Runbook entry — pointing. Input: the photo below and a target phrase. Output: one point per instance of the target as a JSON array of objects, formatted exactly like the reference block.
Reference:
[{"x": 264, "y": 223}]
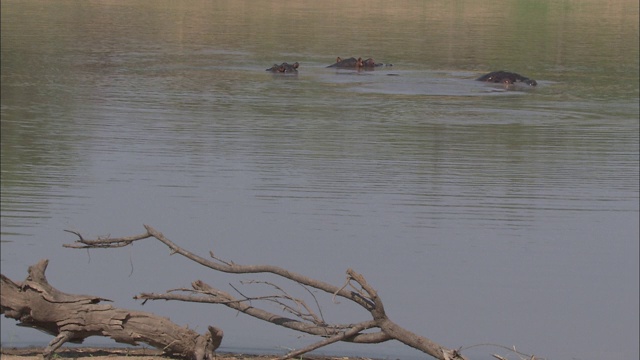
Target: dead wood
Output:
[
  {"x": 355, "y": 289},
  {"x": 72, "y": 318}
]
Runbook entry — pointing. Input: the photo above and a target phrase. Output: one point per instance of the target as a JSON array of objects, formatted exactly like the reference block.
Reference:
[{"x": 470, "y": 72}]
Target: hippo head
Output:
[
  {"x": 369, "y": 63},
  {"x": 289, "y": 68},
  {"x": 284, "y": 68},
  {"x": 507, "y": 78}
]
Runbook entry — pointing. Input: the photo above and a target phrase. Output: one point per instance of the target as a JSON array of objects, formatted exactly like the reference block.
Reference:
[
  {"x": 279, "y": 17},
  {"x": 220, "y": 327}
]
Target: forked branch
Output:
[{"x": 355, "y": 289}]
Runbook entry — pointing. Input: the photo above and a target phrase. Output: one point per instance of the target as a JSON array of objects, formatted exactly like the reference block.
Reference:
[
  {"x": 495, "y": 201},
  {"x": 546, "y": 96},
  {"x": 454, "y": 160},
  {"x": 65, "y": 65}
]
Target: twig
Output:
[{"x": 341, "y": 336}]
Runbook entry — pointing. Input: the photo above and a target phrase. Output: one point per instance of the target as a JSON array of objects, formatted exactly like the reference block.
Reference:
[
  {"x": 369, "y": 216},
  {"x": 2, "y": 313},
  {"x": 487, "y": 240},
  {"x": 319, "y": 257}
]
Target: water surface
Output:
[{"x": 481, "y": 214}]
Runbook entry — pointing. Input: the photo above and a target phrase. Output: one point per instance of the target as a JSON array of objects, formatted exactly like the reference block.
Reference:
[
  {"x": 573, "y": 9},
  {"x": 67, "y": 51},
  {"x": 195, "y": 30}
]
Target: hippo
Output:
[
  {"x": 506, "y": 77},
  {"x": 284, "y": 68},
  {"x": 353, "y": 63},
  {"x": 370, "y": 63}
]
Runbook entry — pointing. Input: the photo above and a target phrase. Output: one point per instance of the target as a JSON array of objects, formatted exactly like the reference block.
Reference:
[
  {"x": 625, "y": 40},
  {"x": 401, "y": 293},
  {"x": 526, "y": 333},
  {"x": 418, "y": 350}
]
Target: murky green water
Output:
[{"x": 480, "y": 213}]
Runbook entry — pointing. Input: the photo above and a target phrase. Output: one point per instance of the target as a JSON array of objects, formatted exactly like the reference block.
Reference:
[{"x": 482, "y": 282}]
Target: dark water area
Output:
[{"x": 481, "y": 213}]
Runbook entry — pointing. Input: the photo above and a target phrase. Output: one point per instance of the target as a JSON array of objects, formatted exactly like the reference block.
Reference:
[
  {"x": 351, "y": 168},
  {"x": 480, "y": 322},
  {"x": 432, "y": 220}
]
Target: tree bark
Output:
[{"x": 72, "y": 318}]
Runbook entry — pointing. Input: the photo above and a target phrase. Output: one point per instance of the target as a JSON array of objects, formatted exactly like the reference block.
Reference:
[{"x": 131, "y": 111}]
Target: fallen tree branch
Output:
[
  {"x": 361, "y": 293},
  {"x": 204, "y": 293},
  {"x": 338, "y": 337},
  {"x": 72, "y": 318}
]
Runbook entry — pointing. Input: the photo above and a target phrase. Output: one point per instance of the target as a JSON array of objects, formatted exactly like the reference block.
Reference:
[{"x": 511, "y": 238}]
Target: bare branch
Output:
[
  {"x": 217, "y": 296},
  {"x": 338, "y": 337},
  {"x": 308, "y": 314},
  {"x": 355, "y": 289},
  {"x": 106, "y": 242}
]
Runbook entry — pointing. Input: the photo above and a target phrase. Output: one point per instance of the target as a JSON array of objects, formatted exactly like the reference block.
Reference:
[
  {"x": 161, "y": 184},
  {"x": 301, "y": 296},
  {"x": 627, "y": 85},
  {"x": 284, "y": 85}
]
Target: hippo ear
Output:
[
  {"x": 338, "y": 59},
  {"x": 295, "y": 65}
]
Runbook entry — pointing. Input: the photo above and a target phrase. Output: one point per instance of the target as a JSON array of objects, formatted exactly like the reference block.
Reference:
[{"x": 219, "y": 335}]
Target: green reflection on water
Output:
[{"x": 64, "y": 62}]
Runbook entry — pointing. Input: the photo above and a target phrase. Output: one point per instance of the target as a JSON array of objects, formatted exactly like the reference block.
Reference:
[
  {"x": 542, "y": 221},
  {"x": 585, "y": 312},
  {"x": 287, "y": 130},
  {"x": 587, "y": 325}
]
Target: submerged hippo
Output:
[
  {"x": 506, "y": 77},
  {"x": 353, "y": 63},
  {"x": 284, "y": 68}
]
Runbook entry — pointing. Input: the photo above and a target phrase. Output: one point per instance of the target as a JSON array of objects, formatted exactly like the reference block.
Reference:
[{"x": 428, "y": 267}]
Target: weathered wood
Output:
[
  {"x": 72, "y": 318},
  {"x": 355, "y": 289}
]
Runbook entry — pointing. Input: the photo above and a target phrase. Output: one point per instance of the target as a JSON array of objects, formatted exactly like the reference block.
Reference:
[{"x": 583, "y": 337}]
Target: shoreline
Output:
[{"x": 109, "y": 353}]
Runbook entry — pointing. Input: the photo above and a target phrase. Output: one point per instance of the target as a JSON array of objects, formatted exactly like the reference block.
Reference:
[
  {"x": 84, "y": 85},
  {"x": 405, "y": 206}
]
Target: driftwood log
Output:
[
  {"x": 72, "y": 318},
  {"x": 355, "y": 289}
]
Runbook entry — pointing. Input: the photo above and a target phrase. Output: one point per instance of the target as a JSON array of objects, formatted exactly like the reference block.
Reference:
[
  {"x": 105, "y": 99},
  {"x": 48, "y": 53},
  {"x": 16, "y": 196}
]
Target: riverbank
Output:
[{"x": 35, "y": 353}]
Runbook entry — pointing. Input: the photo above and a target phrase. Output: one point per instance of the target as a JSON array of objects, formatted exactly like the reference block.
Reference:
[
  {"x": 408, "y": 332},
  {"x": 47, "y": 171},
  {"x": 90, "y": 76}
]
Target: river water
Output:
[{"x": 481, "y": 214}]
